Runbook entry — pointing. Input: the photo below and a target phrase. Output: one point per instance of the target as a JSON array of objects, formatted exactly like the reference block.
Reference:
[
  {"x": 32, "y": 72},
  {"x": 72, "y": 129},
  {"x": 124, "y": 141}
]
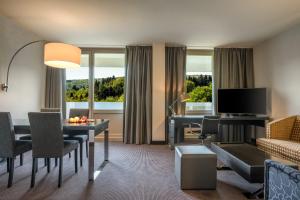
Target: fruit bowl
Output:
[{"x": 82, "y": 119}]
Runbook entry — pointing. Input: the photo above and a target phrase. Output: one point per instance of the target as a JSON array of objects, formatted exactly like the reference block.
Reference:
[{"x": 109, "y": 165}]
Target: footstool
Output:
[{"x": 195, "y": 167}]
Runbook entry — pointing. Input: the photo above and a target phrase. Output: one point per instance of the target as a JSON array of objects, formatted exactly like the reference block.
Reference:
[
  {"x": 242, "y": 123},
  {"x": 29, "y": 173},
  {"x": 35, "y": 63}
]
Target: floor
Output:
[{"x": 135, "y": 172}]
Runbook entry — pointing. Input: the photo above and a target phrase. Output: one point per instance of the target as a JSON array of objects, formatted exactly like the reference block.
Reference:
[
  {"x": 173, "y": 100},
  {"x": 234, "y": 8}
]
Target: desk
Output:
[
  {"x": 94, "y": 128},
  {"x": 177, "y": 124}
]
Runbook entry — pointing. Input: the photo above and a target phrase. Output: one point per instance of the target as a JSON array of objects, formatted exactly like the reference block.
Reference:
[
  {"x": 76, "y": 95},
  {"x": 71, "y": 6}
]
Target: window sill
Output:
[
  {"x": 198, "y": 112},
  {"x": 108, "y": 111}
]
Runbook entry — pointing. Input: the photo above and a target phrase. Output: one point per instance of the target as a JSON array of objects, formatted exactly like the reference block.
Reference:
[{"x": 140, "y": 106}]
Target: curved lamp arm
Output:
[{"x": 5, "y": 85}]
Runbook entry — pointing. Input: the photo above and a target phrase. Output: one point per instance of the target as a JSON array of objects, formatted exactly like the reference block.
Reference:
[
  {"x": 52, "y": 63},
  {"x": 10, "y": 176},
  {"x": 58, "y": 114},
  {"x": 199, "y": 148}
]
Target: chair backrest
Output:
[
  {"x": 50, "y": 110},
  {"x": 210, "y": 126},
  {"x": 76, "y": 112},
  {"x": 7, "y": 135},
  {"x": 46, "y": 132}
]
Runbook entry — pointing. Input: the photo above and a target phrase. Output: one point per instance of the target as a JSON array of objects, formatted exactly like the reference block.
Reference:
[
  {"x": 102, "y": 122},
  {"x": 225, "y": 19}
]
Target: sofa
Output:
[
  {"x": 282, "y": 138},
  {"x": 281, "y": 181}
]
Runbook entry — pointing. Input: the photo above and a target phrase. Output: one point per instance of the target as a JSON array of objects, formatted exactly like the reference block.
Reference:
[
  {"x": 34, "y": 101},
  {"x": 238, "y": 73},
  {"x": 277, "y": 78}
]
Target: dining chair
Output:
[
  {"x": 28, "y": 135},
  {"x": 48, "y": 141},
  {"x": 80, "y": 136},
  {"x": 9, "y": 147}
]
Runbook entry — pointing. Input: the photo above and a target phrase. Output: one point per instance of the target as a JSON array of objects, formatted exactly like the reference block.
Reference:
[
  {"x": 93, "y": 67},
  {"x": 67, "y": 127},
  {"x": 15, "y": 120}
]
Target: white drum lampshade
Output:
[{"x": 60, "y": 55}]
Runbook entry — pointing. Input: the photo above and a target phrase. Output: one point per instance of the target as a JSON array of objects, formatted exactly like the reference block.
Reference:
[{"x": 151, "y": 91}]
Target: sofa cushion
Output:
[
  {"x": 286, "y": 148},
  {"x": 295, "y": 135}
]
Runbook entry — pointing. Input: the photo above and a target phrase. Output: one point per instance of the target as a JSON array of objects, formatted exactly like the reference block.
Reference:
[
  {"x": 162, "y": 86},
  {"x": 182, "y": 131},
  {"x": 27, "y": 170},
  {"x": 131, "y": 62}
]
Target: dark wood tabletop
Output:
[{"x": 98, "y": 125}]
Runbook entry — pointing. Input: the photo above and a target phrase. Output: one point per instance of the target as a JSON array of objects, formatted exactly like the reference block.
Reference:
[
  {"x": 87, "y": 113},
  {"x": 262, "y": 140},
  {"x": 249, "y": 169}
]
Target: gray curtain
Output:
[
  {"x": 54, "y": 87},
  {"x": 175, "y": 78},
  {"x": 138, "y": 95},
  {"x": 233, "y": 68}
]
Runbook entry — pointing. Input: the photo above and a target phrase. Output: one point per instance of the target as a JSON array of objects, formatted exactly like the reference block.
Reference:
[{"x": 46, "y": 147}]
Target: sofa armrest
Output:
[
  {"x": 281, "y": 181},
  {"x": 281, "y": 128}
]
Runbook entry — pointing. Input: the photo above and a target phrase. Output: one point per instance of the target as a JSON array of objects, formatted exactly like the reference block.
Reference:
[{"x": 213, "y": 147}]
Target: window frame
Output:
[
  {"x": 91, "y": 52},
  {"x": 201, "y": 52}
]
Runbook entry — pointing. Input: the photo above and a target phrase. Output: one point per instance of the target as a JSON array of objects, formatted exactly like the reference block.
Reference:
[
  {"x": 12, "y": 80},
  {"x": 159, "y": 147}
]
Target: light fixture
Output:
[
  {"x": 182, "y": 98},
  {"x": 58, "y": 55},
  {"x": 61, "y": 55}
]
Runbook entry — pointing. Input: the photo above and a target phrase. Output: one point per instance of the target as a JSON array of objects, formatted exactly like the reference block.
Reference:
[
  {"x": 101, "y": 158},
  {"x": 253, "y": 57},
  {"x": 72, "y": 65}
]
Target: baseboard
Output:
[
  {"x": 116, "y": 137},
  {"x": 158, "y": 142}
]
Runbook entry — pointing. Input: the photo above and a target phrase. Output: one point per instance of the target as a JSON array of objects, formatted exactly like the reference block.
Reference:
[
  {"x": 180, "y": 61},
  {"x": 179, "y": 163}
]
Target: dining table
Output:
[{"x": 94, "y": 128}]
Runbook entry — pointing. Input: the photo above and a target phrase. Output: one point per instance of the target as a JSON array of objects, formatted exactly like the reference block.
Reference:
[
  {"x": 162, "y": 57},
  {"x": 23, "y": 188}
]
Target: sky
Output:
[
  {"x": 100, "y": 72},
  {"x": 108, "y": 65}
]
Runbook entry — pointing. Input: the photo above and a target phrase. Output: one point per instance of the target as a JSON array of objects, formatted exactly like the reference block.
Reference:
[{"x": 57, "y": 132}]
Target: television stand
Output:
[
  {"x": 241, "y": 115},
  {"x": 259, "y": 121}
]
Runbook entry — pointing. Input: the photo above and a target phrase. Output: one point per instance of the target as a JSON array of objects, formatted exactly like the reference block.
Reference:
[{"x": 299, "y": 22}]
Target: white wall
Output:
[
  {"x": 277, "y": 66},
  {"x": 115, "y": 123},
  {"x": 158, "y": 92},
  {"x": 27, "y": 75}
]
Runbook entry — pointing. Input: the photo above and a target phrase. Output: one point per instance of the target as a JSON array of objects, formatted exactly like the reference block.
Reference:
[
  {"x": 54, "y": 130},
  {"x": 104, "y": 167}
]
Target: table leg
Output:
[
  {"x": 172, "y": 134},
  {"x": 106, "y": 145},
  {"x": 91, "y": 154},
  {"x": 93, "y": 174}
]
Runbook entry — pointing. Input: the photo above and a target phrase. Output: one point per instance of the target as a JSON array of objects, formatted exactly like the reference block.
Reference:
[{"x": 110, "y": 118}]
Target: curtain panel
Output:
[
  {"x": 54, "y": 87},
  {"x": 175, "y": 79},
  {"x": 233, "y": 68},
  {"x": 138, "y": 95}
]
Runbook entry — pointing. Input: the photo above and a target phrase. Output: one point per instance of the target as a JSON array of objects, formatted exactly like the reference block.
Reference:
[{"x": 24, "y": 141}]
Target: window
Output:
[
  {"x": 104, "y": 69},
  {"x": 77, "y": 85},
  {"x": 199, "y": 81},
  {"x": 109, "y": 81}
]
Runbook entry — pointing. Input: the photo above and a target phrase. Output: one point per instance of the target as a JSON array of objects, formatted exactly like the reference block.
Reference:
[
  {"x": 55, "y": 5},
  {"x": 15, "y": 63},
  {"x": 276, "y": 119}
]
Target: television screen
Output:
[{"x": 242, "y": 101}]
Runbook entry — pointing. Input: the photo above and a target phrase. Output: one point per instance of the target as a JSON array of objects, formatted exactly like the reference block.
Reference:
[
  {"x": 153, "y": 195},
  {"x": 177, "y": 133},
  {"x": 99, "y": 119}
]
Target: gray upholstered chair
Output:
[
  {"x": 28, "y": 135},
  {"x": 9, "y": 147},
  {"x": 281, "y": 181},
  {"x": 48, "y": 141},
  {"x": 80, "y": 136},
  {"x": 50, "y": 110}
]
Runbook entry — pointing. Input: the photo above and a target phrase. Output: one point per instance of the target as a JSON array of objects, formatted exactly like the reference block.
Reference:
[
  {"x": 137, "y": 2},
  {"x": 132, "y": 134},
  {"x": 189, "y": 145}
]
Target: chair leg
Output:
[
  {"x": 69, "y": 155},
  {"x": 45, "y": 162},
  {"x": 21, "y": 159},
  {"x": 55, "y": 162},
  {"x": 60, "y": 171},
  {"x": 11, "y": 171},
  {"x": 75, "y": 159},
  {"x": 7, "y": 164},
  {"x": 87, "y": 148},
  {"x": 80, "y": 153},
  {"x": 48, "y": 164},
  {"x": 33, "y": 172}
]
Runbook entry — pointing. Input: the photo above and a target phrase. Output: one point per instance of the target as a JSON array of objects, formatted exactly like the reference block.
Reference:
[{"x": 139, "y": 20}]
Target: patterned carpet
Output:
[{"x": 135, "y": 172}]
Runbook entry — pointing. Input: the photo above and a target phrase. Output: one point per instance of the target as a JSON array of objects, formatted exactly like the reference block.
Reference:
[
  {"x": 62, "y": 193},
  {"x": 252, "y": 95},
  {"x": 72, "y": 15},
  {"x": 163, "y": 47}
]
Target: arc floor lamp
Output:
[{"x": 58, "y": 55}]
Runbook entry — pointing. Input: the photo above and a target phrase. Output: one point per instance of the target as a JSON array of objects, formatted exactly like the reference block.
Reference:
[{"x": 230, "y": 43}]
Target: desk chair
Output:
[{"x": 209, "y": 126}]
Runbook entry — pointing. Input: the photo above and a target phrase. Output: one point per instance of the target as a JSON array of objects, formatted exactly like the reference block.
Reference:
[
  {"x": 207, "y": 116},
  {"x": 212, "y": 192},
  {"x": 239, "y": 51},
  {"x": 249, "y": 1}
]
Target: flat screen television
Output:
[{"x": 242, "y": 101}]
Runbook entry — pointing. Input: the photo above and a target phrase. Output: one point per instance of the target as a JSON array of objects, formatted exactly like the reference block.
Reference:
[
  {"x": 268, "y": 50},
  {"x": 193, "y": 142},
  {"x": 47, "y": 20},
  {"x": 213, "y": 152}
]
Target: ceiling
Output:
[{"x": 196, "y": 23}]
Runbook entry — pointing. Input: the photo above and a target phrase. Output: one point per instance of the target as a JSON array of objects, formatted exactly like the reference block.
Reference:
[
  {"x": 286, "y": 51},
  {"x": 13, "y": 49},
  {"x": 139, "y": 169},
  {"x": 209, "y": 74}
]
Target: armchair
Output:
[{"x": 282, "y": 138}]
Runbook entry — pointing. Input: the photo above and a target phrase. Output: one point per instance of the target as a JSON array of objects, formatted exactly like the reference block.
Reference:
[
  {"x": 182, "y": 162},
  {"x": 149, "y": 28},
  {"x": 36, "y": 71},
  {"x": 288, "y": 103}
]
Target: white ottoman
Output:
[{"x": 195, "y": 167}]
